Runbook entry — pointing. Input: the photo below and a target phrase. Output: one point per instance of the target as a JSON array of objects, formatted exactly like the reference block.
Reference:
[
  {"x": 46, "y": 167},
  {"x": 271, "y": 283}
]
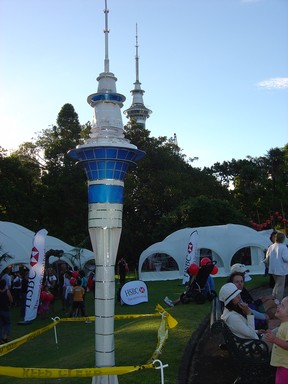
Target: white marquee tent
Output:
[
  {"x": 16, "y": 241},
  {"x": 226, "y": 244}
]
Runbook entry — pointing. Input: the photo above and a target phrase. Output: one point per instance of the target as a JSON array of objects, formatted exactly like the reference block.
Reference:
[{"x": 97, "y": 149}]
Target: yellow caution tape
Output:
[
  {"x": 166, "y": 321},
  {"x": 170, "y": 319},
  {"x": 162, "y": 337},
  {"x": 135, "y": 316},
  {"x": 77, "y": 319},
  {"x": 9, "y": 347},
  {"x": 52, "y": 373},
  {"x": 116, "y": 317}
]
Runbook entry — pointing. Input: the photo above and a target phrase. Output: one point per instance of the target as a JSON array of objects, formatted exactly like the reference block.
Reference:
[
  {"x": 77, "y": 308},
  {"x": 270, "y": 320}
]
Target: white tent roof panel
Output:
[
  {"x": 223, "y": 241},
  {"x": 17, "y": 241}
]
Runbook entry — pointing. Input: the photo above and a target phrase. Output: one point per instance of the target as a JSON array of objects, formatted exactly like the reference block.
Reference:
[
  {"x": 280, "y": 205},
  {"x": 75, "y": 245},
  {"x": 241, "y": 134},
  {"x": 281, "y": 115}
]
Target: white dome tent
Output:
[
  {"x": 16, "y": 242},
  {"x": 226, "y": 244}
]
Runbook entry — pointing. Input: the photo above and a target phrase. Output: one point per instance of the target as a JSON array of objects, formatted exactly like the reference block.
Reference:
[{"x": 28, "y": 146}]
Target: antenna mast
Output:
[
  {"x": 106, "y": 31},
  {"x": 137, "y": 57}
]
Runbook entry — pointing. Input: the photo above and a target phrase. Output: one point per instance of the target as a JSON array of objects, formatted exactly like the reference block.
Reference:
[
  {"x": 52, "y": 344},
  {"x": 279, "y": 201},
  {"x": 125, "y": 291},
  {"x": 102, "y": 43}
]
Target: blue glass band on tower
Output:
[
  {"x": 102, "y": 193},
  {"x": 107, "y": 97},
  {"x": 106, "y": 162}
]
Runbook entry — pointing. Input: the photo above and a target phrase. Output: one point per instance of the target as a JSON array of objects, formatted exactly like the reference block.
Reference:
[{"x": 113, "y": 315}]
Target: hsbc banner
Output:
[
  {"x": 191, "y": 255},
  {"x": 36, "y": 272},
  {"x": 134, "y": 292}
]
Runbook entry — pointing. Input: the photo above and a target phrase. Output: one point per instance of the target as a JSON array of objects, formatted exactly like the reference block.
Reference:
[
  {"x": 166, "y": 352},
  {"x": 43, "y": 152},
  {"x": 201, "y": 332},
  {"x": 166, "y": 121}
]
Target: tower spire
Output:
[
  {"x": 137, "y": 57},
  {"x": 107, "y": 125},
  {"x": 106, "y": 32},
  {"x": 137, "y": 111}
]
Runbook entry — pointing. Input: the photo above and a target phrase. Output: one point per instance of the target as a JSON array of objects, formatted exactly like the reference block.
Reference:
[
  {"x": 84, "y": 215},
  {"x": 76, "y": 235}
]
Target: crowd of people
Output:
[
  {"x": 255, "y": 319},
  {"x": 247, "y": 317},
  {"x": 263, "y": 318},
  {"x": 67, "y": 284}
]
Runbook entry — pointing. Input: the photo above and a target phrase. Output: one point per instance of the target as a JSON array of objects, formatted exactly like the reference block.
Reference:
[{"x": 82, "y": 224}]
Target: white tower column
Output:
[{"x": 106, "y": 157}]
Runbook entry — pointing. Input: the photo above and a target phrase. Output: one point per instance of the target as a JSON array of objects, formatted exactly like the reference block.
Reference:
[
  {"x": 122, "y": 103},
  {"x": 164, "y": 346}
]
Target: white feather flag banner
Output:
[
  {"x": 191, "y": 254},
  {"x": 36, "y": 272}
]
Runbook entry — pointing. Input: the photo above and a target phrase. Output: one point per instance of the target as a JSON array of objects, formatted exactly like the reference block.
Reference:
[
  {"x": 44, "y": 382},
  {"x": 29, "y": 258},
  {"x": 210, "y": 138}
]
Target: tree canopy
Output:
[{"x": 43, "y": 187}]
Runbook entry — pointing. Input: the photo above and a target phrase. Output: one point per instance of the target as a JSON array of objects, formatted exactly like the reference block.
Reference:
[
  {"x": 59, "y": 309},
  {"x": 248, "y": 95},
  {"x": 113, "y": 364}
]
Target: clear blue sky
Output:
[{"x": 215, "y": 72}]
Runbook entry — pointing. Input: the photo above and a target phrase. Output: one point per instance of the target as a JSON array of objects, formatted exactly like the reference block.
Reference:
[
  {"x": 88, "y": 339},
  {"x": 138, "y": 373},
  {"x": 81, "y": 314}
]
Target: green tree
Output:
[
  {"x": 43, "y": 187},
  {"x": 277, "y": 175},
  {"x": 202, "y": 211},
  {"x": 258, "y": 185},
  {"x": 21, "y": 191},
  {"x": 64, "y": 203},
  {"x": 155, "y": 189}
]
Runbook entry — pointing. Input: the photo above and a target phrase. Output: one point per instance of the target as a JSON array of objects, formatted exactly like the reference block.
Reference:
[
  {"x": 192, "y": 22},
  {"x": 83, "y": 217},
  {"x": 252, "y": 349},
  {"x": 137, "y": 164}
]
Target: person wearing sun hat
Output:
[
  {"x": 241, "y": 268},
  {"x": 257, "y": 306},
  {"x": 265, "y": 304},
  {"x": 237, "y": 315}
]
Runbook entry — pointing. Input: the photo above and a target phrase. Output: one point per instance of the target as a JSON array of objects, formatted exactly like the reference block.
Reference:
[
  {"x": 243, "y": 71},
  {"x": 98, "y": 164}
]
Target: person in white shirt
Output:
[
  {"x": 67, "y": 292},
  {"x": 277, "y": 259},
  {"x": 51, "y": 280},
  {"x": 7, "y": 277},
  {"x": 16, "y": 289}
]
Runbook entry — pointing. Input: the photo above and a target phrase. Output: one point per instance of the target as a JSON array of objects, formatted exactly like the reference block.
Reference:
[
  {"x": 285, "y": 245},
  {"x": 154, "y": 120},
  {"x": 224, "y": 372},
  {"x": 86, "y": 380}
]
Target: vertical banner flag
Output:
[
  {"x": 191, "y": 255},
  {"x": 36, "y": 272}
]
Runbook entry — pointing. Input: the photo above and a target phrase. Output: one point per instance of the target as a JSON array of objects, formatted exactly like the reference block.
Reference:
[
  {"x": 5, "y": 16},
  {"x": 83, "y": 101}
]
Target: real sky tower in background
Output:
[{"x": 137, "y": 112}]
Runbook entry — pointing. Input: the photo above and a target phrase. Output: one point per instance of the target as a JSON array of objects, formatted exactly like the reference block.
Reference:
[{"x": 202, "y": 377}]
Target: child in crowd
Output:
[
  {"x": 67, "y": 292},
  {"x": 46, "y": 300},
  {"x": 78, "y": 299},
  {"x": 279, "y": 356},
  {"x": 84, "y": 281}
]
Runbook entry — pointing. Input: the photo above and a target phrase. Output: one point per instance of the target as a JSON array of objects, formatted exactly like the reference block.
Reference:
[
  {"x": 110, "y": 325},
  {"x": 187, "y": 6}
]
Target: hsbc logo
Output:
[
  {"x": 34, "y": 256},
  {"x": 134, "y": 292},
  {"x": 190, "y": 247}
]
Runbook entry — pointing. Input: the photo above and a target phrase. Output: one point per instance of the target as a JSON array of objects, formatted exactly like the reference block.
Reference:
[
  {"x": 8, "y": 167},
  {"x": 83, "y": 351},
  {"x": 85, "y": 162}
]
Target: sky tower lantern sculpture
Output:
[{"x": 105, "y": 156}]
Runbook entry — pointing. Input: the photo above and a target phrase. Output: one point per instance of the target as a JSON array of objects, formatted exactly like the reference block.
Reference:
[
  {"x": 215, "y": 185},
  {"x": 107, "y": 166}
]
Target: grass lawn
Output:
[{"x": 135, "y": 339}]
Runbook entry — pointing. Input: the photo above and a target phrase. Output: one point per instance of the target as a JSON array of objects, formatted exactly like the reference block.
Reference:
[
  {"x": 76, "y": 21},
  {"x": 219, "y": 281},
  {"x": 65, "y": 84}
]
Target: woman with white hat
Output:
[
  {"x": 257, "y": 306},
  {"x": 237, "y": 315}
]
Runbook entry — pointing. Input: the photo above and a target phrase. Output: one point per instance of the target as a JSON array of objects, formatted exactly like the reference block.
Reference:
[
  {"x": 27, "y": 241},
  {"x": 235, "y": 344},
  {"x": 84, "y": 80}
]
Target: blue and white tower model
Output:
[
  {"x": 106, "y": 156},
  {"x": 137, "y": 112}
]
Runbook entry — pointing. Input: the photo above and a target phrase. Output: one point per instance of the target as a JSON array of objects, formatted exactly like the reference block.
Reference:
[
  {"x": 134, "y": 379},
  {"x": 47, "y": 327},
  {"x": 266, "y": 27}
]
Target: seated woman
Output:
[
  {"x": 261, "y": 318},
  {"x": 265, "y": 304},
  {"x": 237, "y": 315}
]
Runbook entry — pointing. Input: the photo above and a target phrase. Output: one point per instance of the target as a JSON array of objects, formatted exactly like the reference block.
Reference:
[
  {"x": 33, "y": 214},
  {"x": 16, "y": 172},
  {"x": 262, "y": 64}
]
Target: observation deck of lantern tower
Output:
[{"x": 106, "y": 156}]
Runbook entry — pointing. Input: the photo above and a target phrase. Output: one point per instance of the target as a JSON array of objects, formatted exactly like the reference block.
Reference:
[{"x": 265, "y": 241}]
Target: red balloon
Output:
[
  {"x": 214, "y": 270},
  {"x": 205, "y": 261},
  {"x": 193, "y": 269}
]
